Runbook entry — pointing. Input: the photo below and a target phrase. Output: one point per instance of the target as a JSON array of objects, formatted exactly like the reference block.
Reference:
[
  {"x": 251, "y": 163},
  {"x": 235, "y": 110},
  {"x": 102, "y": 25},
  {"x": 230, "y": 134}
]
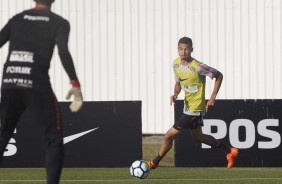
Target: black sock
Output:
[
  {"x": 224, "y": 148},
  {"x": 157, "y": 159}
]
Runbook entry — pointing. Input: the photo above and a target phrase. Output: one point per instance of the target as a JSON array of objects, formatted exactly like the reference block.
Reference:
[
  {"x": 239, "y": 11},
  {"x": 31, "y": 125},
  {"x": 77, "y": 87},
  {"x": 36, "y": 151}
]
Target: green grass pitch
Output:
[
  {"x": 165, "y": 174},
  {"x": 170, "y": 175}
]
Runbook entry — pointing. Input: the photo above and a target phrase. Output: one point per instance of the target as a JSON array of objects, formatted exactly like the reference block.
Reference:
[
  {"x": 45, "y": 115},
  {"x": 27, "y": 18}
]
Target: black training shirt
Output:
[{"x": 33, "y": 35}]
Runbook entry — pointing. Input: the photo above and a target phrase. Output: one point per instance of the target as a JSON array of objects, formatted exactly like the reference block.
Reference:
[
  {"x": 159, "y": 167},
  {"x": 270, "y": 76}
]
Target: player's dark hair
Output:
[
  {"x": 186, "y": 40},
  {"x": 46, "y": 2}
]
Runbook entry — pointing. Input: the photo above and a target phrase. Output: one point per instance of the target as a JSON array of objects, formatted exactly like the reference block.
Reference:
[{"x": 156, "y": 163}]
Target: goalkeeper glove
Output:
[{"x": 76, "y": 92}]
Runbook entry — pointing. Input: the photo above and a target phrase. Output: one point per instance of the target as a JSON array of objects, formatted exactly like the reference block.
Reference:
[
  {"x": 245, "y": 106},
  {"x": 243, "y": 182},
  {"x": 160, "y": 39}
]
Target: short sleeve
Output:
[{"x": 206, "y": 70}]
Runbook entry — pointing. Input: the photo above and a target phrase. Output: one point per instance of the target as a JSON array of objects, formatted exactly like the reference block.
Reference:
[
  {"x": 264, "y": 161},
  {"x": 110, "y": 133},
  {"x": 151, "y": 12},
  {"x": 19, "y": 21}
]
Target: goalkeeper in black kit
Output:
[{"x": 32, "y": 36}]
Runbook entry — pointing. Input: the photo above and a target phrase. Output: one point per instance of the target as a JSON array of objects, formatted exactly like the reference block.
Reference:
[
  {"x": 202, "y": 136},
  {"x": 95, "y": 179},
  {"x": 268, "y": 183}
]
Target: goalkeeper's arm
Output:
[{"x": 67, "y": 62}]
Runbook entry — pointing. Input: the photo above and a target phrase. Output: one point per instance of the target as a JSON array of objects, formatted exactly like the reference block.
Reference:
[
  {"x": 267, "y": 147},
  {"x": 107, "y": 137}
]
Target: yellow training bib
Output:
[{"x": 192, "y": 84}]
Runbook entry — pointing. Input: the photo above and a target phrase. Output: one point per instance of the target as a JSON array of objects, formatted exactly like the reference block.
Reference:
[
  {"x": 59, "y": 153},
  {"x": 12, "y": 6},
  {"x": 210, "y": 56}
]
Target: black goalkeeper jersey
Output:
[{"x": 33, "y": 35}]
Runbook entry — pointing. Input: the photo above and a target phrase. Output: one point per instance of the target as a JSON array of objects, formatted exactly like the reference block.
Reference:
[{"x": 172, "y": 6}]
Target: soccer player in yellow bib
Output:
[{"x": 190, "y": 76}]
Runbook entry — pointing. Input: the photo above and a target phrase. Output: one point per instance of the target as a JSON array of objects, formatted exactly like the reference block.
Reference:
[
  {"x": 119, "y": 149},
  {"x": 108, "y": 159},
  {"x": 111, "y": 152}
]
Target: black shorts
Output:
[
  {"x": 44, "y": 105},
  {"x": 188, "y": 121}
]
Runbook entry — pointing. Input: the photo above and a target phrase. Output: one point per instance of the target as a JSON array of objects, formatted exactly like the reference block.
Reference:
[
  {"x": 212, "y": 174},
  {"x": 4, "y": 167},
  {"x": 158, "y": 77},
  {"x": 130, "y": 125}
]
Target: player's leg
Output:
[
  {"x": 197, "y": 135},
  {"x": 231, "y": 153},
  {"x": 182, "y": 124},
  {"x": 165, "y": 147},
  {"x": 231, "y": 157},
  {"x": 168, "y": 141},
  {"x": 12, "y": 108},
  {"x": 48, "y": 112}
]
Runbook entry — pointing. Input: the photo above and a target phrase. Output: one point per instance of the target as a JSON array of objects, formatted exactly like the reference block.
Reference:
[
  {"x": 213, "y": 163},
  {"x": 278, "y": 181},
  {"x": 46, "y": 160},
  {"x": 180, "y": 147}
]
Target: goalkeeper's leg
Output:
[
  {"x": 12, "y": 108},
  {"x": 48, "y": 113}
]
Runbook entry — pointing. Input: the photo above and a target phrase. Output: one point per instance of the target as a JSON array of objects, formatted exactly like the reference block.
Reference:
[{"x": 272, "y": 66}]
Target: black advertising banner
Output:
[
  {"x": 101, "y": 134},
  {"x": 253, "y": 126}
]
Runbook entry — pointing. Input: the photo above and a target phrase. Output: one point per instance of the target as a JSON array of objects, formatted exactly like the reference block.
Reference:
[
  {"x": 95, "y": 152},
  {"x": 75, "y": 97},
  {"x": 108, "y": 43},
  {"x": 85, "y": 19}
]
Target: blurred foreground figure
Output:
[{"x": 32, "y": 36}]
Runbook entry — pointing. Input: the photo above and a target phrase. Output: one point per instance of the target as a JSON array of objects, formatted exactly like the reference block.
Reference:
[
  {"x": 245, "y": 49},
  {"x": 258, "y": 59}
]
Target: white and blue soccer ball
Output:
[{"x": 139, "y": 169}]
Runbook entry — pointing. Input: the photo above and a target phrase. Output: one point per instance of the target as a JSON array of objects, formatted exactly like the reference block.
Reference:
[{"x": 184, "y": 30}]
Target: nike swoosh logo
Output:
[
  {"x": 76, "y": 136},
  {"x": 183, "y": 79}
]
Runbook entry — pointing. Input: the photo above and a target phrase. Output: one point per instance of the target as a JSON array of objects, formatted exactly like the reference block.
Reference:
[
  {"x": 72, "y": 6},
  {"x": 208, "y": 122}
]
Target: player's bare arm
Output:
[
  {"x": 177, "y": 90},
  {"x": 217, "y": 84}
]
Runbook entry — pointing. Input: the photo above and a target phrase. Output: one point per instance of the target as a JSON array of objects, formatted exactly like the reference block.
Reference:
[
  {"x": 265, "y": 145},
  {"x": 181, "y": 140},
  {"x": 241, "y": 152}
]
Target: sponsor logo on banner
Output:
[
  {"x": 87, "y": 136},
  {"x": 78, "y": 135},
  {"x": 252, "y": 126},
  {"x": 253, "y": 132},
  {"x": 11, "y": 148}
]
